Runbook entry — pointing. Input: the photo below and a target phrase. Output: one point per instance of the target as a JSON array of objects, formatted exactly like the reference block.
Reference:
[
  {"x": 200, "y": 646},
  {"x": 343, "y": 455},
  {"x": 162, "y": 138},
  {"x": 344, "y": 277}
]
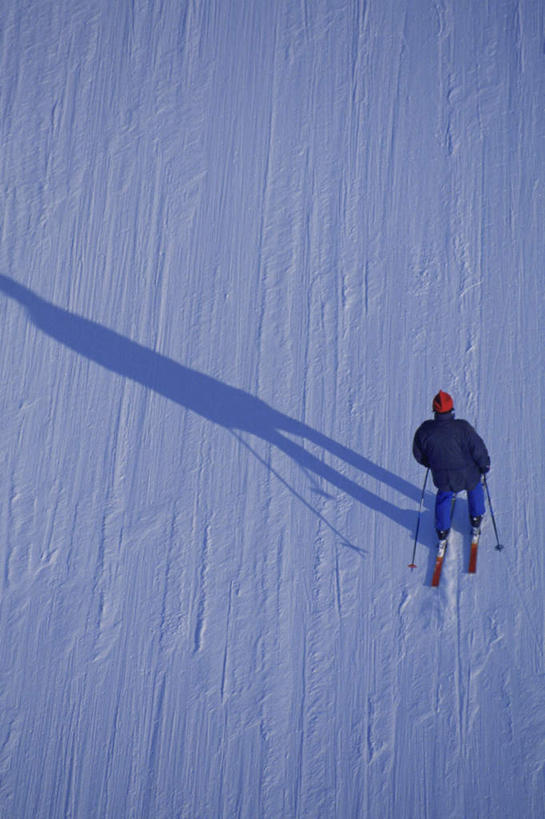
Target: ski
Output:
[
  {"x": 441, "y": 551},
  {"x": 475, "y": 535}
]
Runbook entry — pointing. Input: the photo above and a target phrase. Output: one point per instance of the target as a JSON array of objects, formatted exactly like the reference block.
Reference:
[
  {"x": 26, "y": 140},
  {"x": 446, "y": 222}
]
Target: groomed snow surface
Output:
[{"x": 243, "y": 243}]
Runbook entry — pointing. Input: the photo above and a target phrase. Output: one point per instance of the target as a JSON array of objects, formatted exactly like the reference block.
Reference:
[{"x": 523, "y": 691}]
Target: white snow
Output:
[{"x": 243, "y": 243}]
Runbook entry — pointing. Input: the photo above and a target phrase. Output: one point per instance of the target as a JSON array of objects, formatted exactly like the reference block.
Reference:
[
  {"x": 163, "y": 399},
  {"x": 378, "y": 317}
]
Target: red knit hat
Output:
[{"x": 443, "y": 402}]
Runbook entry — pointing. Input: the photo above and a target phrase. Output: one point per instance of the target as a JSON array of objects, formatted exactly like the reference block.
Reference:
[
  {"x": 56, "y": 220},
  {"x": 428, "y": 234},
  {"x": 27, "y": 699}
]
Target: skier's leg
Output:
[
  {"x": 443, "y": 506},
  {"x": 475, "y": 499}
]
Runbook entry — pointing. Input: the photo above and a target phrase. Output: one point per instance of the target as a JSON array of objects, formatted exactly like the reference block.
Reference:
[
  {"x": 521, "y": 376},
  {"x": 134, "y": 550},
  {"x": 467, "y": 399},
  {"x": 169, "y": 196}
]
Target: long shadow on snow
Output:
[{"x": 218, "y": 402}]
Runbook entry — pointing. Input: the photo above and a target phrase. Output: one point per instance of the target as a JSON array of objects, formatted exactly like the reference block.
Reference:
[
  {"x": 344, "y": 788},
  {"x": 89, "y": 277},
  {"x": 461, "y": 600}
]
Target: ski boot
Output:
[
  {"x": 442, "y": 535},
  {"x": 475, "y": 523}
]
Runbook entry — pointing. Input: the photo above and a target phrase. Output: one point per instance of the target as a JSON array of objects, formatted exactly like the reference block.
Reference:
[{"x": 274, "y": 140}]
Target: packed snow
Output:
[{"x": 243, "y": 244}]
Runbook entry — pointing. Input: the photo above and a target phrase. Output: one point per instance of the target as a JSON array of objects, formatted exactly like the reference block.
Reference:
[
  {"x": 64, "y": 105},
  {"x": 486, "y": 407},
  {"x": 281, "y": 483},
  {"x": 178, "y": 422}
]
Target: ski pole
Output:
[
  {"x": 499, "y": 547},
  {"x": 412, "y": 564}
]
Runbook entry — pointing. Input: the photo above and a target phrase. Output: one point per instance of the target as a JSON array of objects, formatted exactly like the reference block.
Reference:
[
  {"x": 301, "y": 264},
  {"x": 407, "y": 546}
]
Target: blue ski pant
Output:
[{"x": 443, "y": 505}]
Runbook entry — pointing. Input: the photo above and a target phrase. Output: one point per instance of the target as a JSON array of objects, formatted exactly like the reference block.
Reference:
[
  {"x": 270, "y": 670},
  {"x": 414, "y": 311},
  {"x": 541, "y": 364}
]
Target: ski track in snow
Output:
[{"x": 243, "y": 244}]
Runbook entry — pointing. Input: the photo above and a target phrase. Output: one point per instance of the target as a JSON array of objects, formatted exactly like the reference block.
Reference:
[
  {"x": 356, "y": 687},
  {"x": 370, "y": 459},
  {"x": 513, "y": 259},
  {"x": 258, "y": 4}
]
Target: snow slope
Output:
[{"x": 243, "y": 243}]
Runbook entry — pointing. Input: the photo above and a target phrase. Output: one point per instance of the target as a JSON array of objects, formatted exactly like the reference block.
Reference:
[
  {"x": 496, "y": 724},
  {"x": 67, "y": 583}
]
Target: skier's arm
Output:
[
  {"x": 479, "y": 451},
  {"x": 417, "y": 450}
]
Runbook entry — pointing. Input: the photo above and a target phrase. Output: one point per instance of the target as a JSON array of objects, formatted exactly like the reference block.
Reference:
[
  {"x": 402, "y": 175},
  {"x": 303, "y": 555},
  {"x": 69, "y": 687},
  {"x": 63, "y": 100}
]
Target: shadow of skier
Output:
[{"x": 214, "y": 400}]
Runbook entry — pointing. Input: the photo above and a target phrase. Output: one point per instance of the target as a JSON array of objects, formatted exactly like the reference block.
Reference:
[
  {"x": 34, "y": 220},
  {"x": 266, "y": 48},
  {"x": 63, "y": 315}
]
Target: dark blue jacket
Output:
[{"x": 454, "y": 452}]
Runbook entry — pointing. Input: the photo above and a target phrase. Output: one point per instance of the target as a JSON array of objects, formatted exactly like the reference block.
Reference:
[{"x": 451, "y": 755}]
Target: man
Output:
[{"x": 457, "y": 457}]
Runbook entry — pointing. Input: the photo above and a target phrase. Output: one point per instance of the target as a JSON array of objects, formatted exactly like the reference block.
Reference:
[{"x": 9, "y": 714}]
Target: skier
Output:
[{"x": 457, "y": 457}]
